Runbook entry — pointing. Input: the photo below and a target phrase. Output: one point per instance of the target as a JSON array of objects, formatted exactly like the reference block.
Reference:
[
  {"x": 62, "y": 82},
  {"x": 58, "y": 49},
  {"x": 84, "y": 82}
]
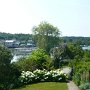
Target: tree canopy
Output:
[
  {"x": 5, "y": 59},
  {"x": 65, "y": 52},
  {"x": 46, "y": 36},
  {"x": 5, "y": 56},
  {"x": 20, "y": 37}
]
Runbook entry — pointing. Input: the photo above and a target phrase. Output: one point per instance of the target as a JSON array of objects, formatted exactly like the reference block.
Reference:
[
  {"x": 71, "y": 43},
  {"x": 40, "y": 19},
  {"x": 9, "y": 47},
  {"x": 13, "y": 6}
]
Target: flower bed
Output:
[{"x": 42, "y": 76}]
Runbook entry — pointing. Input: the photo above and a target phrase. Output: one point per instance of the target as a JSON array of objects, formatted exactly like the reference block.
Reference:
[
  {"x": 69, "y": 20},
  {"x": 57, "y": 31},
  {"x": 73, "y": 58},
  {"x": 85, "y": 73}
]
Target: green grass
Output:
[{"x": 45, "y": 86}]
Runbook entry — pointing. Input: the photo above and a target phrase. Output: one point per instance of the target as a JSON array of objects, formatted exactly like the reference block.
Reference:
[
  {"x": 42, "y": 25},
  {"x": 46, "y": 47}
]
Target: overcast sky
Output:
[{"x": 72, "y": 17}]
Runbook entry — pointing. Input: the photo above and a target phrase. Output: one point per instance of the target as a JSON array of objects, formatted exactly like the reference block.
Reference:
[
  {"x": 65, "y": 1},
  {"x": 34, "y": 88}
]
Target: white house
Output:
[{"x": 11, "y": 43}]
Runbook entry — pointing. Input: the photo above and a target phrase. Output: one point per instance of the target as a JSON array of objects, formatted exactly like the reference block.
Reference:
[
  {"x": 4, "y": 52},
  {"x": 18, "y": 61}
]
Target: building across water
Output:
[
  {"x": 18, "y": 44},
  {"x": 11, "y": 43}
]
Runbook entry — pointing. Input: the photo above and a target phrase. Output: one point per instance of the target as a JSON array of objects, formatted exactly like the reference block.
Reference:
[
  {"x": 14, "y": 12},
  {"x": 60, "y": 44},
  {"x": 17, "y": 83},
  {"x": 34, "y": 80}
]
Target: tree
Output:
[
  {"x": 46, "y": 36},
  {"x": 77, "y": 51},
  {"x": 59, "y": 54},
  {"x": 65, "y": 52},
  {"x": 5, "y": 59}
]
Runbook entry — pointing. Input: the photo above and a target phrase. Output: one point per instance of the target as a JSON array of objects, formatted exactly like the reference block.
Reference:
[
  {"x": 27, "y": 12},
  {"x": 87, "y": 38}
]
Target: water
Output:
[
  {"x": 20, "y": 52},
  {"x": 86, "y": 48},
  {"x": 16, "y": 58}
]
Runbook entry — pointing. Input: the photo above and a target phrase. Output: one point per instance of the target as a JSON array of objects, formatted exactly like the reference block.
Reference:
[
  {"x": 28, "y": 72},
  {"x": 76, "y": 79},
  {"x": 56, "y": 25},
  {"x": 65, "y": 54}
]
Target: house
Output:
[
  {"x": 30, "y": 43},
  {"x": 11, "y": 43}
]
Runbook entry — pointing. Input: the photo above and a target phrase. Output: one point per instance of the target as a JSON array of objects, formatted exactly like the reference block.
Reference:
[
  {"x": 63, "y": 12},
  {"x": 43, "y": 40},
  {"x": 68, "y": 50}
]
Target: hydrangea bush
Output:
[{"x": 42, "y": 76}]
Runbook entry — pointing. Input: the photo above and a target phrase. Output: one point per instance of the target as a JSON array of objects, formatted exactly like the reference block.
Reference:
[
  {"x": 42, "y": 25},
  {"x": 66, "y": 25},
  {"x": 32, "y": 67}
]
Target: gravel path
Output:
[
  {"x": 67, "y": 70},
  {"x": 72, "y": 86}
]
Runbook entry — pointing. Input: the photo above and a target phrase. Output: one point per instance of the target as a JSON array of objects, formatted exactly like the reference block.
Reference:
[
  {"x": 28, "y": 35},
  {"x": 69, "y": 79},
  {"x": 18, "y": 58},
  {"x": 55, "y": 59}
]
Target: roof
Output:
[{"x": 10, "y": 41}]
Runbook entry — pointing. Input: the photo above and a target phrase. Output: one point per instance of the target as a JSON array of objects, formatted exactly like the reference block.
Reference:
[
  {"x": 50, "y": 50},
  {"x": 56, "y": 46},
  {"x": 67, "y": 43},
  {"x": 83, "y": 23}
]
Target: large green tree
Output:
[
  {"x": 77, "y": 51},
  {"x": 46, "y": 36},
  {"x": 65, "y": 52},
  {"x": 5, "y": 69}
]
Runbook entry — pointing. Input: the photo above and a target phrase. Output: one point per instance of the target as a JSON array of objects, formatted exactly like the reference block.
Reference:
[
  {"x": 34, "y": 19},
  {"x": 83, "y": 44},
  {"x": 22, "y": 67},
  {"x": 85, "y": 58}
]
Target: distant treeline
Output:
[
  {"x": 20, "y": 37},
  {"x": 25, "y": 37},
  {"x": 78, "y": 40}
]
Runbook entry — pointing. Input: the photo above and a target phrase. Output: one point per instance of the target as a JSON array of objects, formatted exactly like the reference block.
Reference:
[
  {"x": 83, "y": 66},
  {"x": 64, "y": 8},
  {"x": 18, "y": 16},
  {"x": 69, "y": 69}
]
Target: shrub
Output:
[
  {"x": 77, "y": 79},
  {"x": 41, "y": 76},
  {"x": 85, "y": 86},
  {"x": 37, "y": 60},
  {"x": 81, "y": 71},
  {"x": 41, "y": 58},
  {"x": 25, "y": 64}
]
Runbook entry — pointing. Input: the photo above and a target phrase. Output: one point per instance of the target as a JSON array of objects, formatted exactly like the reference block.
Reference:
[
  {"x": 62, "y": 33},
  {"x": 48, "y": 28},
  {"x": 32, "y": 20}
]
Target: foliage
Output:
[
  {"x": 81, "y": 68},
  {"x": 46, "y": 36},
  {"x": 86, "y": 56},
  {"x": 5, "y": 59},
  {"x": 41, "y": 58},
  {"x": 59, "y": 54},
  {"x": 81, "y": 71},
  {"x": 14, "y": 75},
  {"x": 45, "y": 86},
  {"x": 8, "y": 72},
  {"x": 20, "y": 37},
  {"x": 64, "y": 52},
  {"x": 38, "y": 59},
  {"x": 85, "y": 86},
  {"x": 25, "y": 64},
  {"x": 5, "y": 56},
  {"x": 79, "y": 40},
  {"x": 42, "y": 76},
  {"x": 76, "y": 51}
]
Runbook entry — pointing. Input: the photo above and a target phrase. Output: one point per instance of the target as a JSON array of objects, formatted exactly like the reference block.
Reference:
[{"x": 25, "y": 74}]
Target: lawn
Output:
[{"x": 45, "y": 86}]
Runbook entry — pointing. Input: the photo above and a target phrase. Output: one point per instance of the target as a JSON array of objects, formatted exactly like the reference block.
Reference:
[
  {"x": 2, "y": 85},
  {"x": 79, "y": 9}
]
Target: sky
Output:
[{"x": 72, "y": 17}]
